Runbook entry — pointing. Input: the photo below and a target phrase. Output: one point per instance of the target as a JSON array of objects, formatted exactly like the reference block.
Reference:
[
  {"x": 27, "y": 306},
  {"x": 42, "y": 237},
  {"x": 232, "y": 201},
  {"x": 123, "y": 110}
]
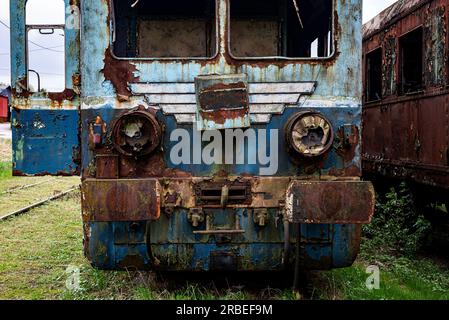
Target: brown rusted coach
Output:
[{"x": 406, "y": 96}]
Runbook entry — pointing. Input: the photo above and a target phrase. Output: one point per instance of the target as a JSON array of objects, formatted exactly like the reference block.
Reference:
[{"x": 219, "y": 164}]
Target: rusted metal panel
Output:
[
  {"x": 222, "y": 102},
  {"x": 107, "y": 166},
  {"x": 432, "y": 143},
  {"x": 120, "y": 200},
  {"x": 330, "y": 202},
  {"x": 244, "y": 192}
]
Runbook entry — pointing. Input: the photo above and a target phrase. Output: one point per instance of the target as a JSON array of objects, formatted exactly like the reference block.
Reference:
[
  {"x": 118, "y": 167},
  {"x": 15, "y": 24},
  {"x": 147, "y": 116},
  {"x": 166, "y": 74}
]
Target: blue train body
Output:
[{"x": 141, "y": 207}]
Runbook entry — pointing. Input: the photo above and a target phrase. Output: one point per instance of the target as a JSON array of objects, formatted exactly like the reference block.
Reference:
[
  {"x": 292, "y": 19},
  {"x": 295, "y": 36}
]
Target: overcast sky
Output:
[{"x": 50, "y": 61}]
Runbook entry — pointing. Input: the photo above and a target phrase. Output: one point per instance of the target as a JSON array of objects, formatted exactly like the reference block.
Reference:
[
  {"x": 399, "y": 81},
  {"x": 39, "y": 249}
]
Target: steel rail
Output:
[
  {"x": 26, "y": 186},
  {"x": 37, "y": 204}
]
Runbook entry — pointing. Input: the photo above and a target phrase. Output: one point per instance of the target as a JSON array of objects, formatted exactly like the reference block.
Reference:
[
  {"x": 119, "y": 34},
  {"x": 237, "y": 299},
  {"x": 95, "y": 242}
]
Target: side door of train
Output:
[{"x": 45, "y": 82}]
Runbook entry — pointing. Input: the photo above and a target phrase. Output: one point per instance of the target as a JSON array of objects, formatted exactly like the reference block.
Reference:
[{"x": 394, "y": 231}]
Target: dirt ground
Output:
[{"x": 5, "y": 150}]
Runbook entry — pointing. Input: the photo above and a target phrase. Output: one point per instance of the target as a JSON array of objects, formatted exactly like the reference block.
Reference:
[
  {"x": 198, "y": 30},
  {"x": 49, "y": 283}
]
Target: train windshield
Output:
[
  {"x": 256, "y": 28},
  {"x": 165, "y": 29},
  {"x": 281, "y": 28}
]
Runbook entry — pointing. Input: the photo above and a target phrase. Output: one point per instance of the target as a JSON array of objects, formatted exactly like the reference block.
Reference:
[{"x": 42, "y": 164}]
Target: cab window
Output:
[{"x": 164, "y": 29}]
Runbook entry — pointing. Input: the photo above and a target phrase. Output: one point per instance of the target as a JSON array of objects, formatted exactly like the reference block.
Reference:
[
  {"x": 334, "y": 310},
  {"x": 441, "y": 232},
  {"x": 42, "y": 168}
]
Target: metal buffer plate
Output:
[
  {"x": 333, "y": 202},
  {"x": 121, "y": 200},
  {"x": 222, "y": 102}
]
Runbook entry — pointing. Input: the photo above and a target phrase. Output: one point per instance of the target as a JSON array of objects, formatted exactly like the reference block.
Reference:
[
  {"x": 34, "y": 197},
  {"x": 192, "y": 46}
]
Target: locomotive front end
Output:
[
  {"x": 219, "y": 134},
  {"x": 228, "y": 142}
]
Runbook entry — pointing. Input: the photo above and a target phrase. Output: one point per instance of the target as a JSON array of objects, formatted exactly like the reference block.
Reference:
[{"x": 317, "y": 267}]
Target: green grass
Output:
[
  {"x": 36, "y": 249},
  {"x": 5, "y": 170},
  {"x": 11, "y": 201},
  {"x": 405, "y": 279},
  {"x": 5, "y": 159}
]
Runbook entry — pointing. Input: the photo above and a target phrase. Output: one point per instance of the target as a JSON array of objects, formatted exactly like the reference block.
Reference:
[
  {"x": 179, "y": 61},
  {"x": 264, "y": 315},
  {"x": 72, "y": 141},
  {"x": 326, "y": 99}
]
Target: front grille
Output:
[{"x": 212, "y": 193}]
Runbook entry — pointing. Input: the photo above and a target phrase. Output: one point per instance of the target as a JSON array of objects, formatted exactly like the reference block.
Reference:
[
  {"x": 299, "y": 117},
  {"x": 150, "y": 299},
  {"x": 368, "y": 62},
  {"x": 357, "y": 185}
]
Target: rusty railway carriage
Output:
[
  {"x": 406, "y": 96},
  {"x": 142, "y": 77}
]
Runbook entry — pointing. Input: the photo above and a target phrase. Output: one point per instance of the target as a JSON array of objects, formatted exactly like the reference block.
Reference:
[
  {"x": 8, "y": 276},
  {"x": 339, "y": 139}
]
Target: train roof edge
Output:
[{"x": 390, "y": 16}]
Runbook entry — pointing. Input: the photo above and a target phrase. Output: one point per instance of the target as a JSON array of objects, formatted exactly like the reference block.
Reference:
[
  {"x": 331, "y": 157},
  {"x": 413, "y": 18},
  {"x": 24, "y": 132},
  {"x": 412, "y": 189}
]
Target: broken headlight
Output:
[
  {"x": 136, "y": 133},
  {"x": 309, "y": 134}
]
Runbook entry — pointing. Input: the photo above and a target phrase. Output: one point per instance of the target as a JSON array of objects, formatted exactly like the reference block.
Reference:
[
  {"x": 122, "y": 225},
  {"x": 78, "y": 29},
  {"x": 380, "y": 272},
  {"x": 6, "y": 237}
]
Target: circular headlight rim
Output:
[
  {"x": 156, "y": 138},
  {"x": 291, "y": 124}
]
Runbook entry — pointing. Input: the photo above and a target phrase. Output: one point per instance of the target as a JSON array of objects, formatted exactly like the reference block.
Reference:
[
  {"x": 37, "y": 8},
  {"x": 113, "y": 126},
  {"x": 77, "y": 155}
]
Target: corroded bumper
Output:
[
  {"x": 121, "y": 200},
  {"x": 330, "y": 202},
  {"x": 305, "y": 201},
  {"x": 147, "y": 223}
]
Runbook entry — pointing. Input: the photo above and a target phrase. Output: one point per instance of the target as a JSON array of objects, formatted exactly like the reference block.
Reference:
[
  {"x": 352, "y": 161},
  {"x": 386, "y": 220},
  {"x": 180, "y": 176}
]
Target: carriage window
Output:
[
  {"x": 164, "y": 29},
  {"x": 374, "y": 75},
  {"x": 46, "y": 60},
  {"x": 45, "y": 45},
  {"x": 283, "y": 28},
  {"x": 411, "y": 54}
]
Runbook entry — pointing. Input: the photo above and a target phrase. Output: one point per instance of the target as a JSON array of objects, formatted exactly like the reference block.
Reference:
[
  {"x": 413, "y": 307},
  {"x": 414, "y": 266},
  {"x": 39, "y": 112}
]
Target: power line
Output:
[
  {"x": 36, "y": 44},
  {"x": 1, "y": 22},
  {"x": 46, "y": 48},
  {"x": 33, "y": 50}
]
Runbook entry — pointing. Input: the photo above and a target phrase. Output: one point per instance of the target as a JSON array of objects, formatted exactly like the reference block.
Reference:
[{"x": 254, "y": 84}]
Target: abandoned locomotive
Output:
[{"x": 209, "y": 134}]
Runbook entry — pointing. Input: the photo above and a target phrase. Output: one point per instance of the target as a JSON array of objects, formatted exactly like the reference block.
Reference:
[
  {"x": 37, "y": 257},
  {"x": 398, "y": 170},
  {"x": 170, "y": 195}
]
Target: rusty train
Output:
[
  {"x": 209, "y": 134},
  {"x": 406, "y": 97}
]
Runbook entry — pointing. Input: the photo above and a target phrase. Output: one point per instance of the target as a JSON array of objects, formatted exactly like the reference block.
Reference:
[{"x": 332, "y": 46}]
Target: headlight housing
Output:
[
  {"x": 309, "y": 133},
  {"x": 136, "y": 133}
]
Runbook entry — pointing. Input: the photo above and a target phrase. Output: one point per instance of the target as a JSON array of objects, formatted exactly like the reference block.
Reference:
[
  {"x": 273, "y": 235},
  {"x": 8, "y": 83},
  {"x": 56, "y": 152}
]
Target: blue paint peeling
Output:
[
  {"x": 45, "y": 141},
  {"x": 45, "y": 132},
  {"x": 323, "y": 247},
  {"x": 45, "y": 137}
]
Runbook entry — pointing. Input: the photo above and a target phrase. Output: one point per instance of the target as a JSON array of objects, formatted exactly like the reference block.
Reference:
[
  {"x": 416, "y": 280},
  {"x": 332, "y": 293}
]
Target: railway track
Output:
[
  {"x": 18, "y": 188},
  {"x": 37, "y": 203}
]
